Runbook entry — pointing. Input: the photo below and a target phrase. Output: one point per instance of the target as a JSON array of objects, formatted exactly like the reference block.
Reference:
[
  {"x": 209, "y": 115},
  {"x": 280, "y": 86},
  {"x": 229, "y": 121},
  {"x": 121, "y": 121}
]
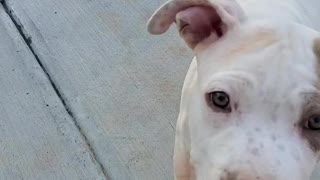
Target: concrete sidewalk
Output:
[
  {"x": 115, "y": 87},
  {"x": 86, "y": 92},
  {"x": 38, "y": 139}
]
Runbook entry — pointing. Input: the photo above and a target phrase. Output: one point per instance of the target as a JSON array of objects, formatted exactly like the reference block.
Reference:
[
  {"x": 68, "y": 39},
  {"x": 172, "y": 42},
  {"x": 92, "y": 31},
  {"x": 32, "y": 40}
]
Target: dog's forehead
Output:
[{"x": 275, "y": 57}]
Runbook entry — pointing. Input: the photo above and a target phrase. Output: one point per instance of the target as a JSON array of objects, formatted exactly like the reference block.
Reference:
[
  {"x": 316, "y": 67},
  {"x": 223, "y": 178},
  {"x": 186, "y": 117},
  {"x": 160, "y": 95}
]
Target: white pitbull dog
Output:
[{"x": 250, "y": 107}]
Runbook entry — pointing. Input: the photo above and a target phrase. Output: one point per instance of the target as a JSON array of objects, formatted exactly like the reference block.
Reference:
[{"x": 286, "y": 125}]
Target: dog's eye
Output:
[
  {"x": 313, "y": 123},
  {"x": 220, "y": 99}
]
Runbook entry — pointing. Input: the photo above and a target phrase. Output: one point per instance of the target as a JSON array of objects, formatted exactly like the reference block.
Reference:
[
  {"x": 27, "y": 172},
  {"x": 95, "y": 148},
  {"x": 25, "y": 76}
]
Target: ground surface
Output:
[{"x": 85, "y": 92}]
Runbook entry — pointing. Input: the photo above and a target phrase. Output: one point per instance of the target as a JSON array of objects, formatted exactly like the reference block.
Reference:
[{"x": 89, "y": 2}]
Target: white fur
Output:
[
  {"x": 258, "y": 138},
  {"x": 268, "y": 86}
]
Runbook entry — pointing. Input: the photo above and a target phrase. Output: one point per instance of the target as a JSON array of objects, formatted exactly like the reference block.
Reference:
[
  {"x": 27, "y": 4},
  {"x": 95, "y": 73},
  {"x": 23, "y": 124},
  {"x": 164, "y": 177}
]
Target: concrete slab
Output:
[
  {"x": 122, "y": 88},
  {"x": 38, "y": 139}
]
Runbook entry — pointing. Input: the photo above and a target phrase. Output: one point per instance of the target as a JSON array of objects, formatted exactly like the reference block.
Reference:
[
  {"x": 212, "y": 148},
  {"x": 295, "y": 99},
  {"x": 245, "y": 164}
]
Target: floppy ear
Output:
[{"x": 196, "y": 20}]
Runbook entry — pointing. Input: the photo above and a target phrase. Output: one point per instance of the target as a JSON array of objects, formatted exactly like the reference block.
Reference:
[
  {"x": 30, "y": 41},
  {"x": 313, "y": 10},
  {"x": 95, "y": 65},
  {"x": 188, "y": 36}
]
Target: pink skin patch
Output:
[
  {"x": 165, "y": 15},
  {"x": 197, "y": 23}
]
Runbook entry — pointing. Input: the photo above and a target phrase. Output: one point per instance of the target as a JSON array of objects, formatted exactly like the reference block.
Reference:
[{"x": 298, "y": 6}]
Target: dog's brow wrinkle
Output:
[
  {"x": 240, "y": 78},
  {"x": 261, "y": 39},
  {"x": 311, "y": 103}
]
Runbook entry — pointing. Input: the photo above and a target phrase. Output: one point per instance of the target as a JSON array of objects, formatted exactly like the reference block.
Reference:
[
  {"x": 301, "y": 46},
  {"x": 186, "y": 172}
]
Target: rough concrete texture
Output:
[
  {"x": 38, "y": 139},
  {"x": 121, "y": 85}
]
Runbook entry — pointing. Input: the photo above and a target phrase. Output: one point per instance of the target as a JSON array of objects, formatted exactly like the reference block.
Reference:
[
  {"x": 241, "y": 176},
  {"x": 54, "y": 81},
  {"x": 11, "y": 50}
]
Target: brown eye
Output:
[
  {"x": 220, "y": 99},
  {"x": 313, "y": 123}
]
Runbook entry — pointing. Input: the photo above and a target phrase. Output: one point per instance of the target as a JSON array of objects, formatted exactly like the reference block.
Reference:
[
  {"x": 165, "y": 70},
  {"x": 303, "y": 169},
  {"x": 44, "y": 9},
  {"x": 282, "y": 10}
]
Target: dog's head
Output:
[{"x": 254, "y": 113}]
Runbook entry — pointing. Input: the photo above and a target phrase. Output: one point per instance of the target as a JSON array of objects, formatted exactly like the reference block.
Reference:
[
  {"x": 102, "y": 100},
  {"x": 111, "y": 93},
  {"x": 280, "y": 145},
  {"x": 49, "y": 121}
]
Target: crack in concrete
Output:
[{"x": 28, "y": 41}]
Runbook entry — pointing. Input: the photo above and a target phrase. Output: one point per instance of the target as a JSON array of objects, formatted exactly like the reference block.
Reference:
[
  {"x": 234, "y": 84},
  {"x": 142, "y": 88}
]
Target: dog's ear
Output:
[{"x": 196, "y": 20}]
